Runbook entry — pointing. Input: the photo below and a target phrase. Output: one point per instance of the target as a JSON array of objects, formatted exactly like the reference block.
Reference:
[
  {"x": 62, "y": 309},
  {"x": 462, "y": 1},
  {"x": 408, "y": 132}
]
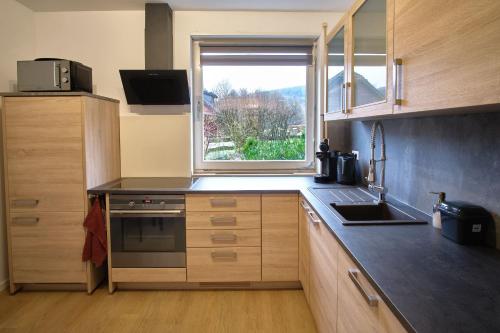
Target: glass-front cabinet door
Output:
[
  {"x": 370, "y": 61},
  {"x": 336, "y": 75}
]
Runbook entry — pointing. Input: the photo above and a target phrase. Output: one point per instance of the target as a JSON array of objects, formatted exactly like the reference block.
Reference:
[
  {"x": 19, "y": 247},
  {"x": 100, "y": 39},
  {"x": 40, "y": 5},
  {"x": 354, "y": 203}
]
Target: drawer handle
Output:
[
  {"x": 224, "y": 255},
  {"x": 24, "y": 203},
  {"x": 224, "y": 238},
  {"x": 372, "y": 300},
  {"x": 25, "y": 220},
  {"x": 314, "y": 219},
  {"x": 226, "y": 202},
  {"x": 223, "y": 220}
]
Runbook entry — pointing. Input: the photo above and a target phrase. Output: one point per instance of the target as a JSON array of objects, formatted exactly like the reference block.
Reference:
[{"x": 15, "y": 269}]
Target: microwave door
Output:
[{"x": 38, "y": 76}]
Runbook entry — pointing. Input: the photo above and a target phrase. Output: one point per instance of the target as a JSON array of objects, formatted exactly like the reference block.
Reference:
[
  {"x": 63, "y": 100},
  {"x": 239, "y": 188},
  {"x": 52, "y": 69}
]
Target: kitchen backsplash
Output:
[{"x": 459, "y": 155}]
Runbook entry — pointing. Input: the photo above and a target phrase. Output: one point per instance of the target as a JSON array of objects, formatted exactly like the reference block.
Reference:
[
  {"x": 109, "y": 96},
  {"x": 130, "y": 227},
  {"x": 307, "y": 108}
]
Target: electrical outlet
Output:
[{"x": 355, "y": 152}]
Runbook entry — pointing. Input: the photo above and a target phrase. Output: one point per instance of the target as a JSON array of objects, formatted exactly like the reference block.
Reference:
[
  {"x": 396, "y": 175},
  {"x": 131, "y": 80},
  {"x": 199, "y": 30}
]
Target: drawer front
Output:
[
  {"x": 223, "y": 238},
  {"x": 234, "y": 264},
  {"x": 148, "y": 274},
  {"x": 223, "y": 202},
  {"x": 47, "y": 247},
  {"x": 360, "y": 308},
  {"x": 223, "y": 220},
  {"x": 44, "y": 153}
]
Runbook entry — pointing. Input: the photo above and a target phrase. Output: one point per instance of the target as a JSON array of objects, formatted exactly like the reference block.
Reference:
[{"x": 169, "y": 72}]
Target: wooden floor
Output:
[{"x": 156, "y": 311}]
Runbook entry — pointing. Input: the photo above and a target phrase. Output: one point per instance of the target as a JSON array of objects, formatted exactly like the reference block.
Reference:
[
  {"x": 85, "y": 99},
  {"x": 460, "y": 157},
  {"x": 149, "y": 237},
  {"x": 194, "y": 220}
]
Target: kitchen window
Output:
[{"x": 254, "y": 105}]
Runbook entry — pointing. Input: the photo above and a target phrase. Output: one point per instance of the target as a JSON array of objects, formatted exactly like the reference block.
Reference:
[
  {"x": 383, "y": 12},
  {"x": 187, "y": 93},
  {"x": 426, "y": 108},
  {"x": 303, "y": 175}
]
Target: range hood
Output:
[{"x": 158, "y": 84}]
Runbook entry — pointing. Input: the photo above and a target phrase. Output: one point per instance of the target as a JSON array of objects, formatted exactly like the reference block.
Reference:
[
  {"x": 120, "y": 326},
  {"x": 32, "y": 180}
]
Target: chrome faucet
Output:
[{"x": 380, "y": 189}]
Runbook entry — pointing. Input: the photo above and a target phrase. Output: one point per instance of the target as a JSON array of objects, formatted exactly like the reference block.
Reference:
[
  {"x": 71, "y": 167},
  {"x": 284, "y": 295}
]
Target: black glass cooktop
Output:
[{"x": 154, "y": 183}]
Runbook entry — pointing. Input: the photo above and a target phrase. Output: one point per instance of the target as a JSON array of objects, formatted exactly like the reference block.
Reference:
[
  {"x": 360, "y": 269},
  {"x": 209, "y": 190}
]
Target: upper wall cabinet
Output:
[
  {"x": 337, "y": 49},
  {"x": 449, "y": 53},
  {"x": 406, "y": 56},
  {"x": 360, "y": 58}
]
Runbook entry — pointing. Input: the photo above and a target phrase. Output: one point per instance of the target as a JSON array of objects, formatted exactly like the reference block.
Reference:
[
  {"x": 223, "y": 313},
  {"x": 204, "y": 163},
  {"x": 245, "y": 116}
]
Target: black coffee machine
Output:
[{"x": 328, "y": 160}]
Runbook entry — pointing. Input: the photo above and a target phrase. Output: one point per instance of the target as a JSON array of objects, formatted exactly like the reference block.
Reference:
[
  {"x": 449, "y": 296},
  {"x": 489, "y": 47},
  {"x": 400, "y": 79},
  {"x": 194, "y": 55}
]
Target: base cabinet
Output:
[
  {"x": 355, "y": 312},
  {"x": 280, "y": 237},
  {"x": 323, "y": 275},
  {"x": 340, "y": 297}
]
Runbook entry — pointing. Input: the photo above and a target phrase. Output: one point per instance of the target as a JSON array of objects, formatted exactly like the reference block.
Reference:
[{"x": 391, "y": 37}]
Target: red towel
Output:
[{"x": 95, "y": 248}]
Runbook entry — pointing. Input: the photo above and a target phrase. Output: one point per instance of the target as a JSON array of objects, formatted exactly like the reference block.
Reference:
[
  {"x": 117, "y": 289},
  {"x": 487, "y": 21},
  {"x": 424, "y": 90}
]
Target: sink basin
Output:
[{"x": 365, "y": 213}]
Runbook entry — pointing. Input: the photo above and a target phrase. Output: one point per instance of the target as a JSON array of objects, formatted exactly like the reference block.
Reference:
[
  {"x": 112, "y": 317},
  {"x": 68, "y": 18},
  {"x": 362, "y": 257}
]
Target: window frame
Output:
[{"x": 200, "y": 166}]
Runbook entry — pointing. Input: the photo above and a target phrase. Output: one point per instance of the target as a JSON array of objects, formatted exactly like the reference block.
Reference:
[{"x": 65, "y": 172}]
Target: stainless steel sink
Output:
[
  {"x": 355, "y": 206},
  {"x": 382, "y": 213}
]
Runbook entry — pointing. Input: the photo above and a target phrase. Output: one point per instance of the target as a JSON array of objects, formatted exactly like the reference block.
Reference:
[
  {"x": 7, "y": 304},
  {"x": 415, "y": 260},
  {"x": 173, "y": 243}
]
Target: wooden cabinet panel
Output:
[
  {"x": 451, "y": 61},
  {"x": 44, "y": 153},
  {"x": 323, "y": 276},
  {"x": 149, "y": 274},
  {"x": 223, "y": 238},
  {"x": 280, "y": 239},
  {"x": 355, "y": 314},
  {"x": 222, "y": 202},
  {"x": 304, "y": 245},
  {"x": 102, "y": 141},
  {"x": 222, "y": 220},
  {"x": 47, "y": 247},
  {"x": 234, "y": 264}
]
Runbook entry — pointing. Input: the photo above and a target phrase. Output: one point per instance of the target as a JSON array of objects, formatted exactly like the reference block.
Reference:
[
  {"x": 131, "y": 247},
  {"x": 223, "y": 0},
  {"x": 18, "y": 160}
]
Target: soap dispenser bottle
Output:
[{"x": 436, "y": 214}]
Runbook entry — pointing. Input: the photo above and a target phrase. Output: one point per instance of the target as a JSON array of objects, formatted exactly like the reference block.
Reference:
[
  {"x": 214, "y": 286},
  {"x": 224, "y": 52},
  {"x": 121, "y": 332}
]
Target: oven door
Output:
[{"x": 148, "y": 238}]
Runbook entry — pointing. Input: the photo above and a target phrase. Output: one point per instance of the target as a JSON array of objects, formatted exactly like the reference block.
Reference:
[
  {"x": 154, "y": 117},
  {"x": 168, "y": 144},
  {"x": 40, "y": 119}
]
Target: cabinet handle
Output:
[
  {"x": 25, "y": 220},
  {"x": 372, "y": 300},
  {"x": 223, "y": 220},
  {"x": 226, "y": 202},
  {"x": 224, "y": 255},
  {"x": 398, "y": 64},
  {"x": 24, "y": 203},
  {"x": 304, "y": 205},
  {"x": 224, "y": 238},
  {"x": 314, "y": 219},
  {"x": 346, "y": 86},
  {"x": 342, "y": 99}
]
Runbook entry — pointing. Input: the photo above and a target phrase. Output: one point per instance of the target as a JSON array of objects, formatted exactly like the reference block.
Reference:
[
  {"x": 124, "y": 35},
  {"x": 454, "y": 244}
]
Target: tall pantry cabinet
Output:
[{"x": 54, "y": 149}]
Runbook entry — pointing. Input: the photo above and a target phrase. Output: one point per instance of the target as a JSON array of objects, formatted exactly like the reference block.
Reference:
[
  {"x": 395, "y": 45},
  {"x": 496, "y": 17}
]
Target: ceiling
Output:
[{"x": 255, "y": 5}]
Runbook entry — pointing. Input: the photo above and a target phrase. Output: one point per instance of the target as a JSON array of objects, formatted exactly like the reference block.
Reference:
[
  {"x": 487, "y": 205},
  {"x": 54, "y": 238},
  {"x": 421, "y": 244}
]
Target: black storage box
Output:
[{"x": 465, "y": 223}]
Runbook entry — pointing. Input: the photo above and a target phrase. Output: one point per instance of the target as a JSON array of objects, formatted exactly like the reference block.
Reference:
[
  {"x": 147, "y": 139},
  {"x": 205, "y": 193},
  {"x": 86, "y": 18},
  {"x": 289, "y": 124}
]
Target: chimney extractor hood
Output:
[{"x": 158, "y": 84}]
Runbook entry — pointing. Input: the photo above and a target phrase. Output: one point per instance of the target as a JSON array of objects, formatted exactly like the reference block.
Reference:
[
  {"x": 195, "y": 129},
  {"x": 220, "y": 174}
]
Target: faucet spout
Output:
[{"x": 380, "y": 188}]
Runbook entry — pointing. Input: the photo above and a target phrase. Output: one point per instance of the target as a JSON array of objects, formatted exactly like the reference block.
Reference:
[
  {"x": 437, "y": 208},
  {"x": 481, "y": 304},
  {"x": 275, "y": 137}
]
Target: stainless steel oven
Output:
[{"x": 148, "y": 230}]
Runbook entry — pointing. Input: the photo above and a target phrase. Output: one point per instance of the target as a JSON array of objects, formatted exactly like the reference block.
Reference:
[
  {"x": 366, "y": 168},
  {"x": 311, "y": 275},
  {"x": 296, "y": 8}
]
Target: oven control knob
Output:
[
  {"x": 65, "y": 79},
  {"x": 162, "y": 203},
  {"x": 131, "y": 204},
  {"x": 64, "y": 69}
]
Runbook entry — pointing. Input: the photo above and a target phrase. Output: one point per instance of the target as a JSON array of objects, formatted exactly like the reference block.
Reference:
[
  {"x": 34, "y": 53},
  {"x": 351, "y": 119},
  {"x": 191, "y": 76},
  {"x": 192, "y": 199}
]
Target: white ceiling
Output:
[{"x": 258, "y": 5}]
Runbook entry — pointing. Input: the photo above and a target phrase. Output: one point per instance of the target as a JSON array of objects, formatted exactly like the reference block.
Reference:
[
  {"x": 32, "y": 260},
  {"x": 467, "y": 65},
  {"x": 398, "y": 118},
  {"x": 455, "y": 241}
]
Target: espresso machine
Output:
[{"x": 328, "y": 163}]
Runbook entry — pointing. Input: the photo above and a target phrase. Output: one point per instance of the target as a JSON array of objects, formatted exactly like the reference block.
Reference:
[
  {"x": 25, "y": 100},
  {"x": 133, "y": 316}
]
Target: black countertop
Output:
[{"x": 430, "y": 283}]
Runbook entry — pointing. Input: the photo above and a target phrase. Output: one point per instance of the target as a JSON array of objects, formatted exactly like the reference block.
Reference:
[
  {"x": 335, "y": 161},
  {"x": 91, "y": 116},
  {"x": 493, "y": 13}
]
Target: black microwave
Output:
[{"x": 50, "y": 74}]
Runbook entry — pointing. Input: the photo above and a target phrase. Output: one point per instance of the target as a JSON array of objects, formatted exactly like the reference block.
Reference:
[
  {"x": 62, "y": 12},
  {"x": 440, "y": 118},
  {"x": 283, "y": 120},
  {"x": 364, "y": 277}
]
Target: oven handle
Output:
[{"x": 140, "y": 213}]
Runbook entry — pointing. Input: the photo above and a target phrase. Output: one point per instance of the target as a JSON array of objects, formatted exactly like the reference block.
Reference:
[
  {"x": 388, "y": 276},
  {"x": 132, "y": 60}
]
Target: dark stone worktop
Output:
[{"x": 431, "y": 283}]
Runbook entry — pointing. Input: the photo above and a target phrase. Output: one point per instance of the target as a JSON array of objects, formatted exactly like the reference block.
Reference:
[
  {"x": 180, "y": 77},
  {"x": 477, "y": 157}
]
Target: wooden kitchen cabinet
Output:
[
  {"x": 55, "y": 148},
  {"x": 357, "y": 313},
  {"x": 322, "y": 274},
  {"x": 360, "y": 62},
  {"x": 370, "y": 58},
  {"x": 450, "y": 53},
  {"x": 304, "y": 245},
  {"x": 280, "y": 237},
  {"x": 223, "y": 238},
  {"x": 337, "y": 81}
]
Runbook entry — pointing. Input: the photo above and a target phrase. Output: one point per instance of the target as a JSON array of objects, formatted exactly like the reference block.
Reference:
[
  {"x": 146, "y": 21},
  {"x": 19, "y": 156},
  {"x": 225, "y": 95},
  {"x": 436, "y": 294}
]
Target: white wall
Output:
[
  {"x": 152, "y": 144},
  {"x": 17, "y": 40}
]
